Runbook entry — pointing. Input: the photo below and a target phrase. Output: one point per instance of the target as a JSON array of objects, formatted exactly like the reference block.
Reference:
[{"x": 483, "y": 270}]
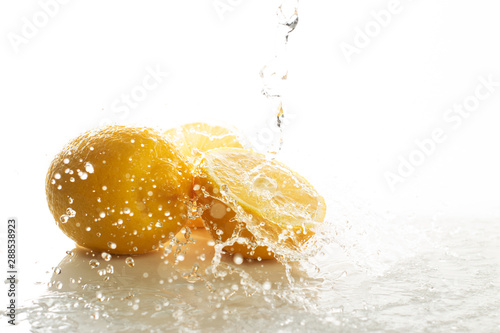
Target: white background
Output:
[{"x": 349, "y": 121}]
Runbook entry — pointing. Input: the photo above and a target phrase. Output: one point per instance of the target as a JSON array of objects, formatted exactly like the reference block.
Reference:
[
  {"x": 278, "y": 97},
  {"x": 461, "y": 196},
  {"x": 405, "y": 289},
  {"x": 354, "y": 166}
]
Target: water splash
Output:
[
  {"x": 275, "y": 72},
  {"x": 335, "y": 289}
]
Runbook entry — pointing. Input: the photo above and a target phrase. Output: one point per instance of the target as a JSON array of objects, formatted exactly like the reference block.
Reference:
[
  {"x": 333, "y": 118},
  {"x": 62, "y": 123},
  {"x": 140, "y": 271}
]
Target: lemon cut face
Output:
[
  {"x": 193, "y": 139},
  {"x": 261, "y": 202},
  {"x": 118, "y": 189}
]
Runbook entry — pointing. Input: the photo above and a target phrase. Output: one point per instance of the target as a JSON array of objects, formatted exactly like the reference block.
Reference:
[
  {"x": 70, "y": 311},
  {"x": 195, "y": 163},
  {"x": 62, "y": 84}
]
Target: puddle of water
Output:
[{"x": 449, "y": 282}]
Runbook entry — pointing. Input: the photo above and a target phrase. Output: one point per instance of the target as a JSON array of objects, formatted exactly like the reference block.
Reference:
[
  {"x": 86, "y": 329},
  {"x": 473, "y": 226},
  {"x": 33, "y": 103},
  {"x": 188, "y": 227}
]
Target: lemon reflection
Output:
[
  {"x": 173, "y": 289},
  {"x": 169, "y": 283},
  {"x": 84, "y": 270}
]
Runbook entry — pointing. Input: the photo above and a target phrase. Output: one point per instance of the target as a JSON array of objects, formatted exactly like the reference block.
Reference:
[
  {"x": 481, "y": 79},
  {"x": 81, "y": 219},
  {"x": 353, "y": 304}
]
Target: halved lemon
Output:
[
  {"x": 254, "y": 205},
  {"x": 193, "y": 139}
]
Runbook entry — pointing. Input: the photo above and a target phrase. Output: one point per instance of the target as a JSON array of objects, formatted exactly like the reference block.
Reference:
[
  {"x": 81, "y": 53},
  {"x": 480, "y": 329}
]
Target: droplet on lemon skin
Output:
[{"x": 134, "y": 171}]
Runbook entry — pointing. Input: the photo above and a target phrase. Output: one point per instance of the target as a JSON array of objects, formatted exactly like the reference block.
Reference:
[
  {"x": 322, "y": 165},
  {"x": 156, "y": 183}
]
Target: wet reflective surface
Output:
[{"x": 420, "y": 276}]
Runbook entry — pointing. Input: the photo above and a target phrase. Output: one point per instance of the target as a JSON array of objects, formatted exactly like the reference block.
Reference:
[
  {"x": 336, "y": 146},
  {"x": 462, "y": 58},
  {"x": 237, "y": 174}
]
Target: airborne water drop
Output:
[{"x": 130, "y": 261}]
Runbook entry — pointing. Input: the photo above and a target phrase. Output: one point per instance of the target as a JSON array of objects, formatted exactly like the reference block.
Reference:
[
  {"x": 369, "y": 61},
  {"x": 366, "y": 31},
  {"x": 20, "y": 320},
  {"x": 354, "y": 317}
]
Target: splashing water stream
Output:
[{"x": 275, "y": 72}]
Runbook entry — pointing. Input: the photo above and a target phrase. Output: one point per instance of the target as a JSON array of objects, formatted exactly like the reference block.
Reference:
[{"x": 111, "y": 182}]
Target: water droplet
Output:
[
  {"x": 57, "y": 270},
  {"x": 66, "y": 160},
  {"x": 59, "y": 285},
  {"x": 70, "y": 253},
  {"x": 110, "y": 269},
  {"x": 238, "y": 259},
  {"x": 64, "y": 218},
  {"x": 104, "y": 188},
  {"x": 89, "y": 167},
  {"x": 83, "y": 175},
  {"x": 88, "y": 228},
  {"x": 94, "y": 263},
  {"x": 57, "y": 176},
  {"x": 126, "y": 210},
  {"x": 150, "y": 193},
  {"x": 159, "y": 224},
  {"x": 106, "y": 256},
  {"x": 112, "y": 245},
  {"x": 266, "y": 285},
  {"x": 102, "y": 215},
  {"x": 120, "y": 221},
  {"x": 72, "y": 179},
  {"x": 135, "y": 307},
  {"x": 70, "y": 212},
  {"x": 224, "y": 189},
  {"x": 70, "y": 199},
  {"x": 130, "y": 261},
  {"x": 218, "y": 210}
]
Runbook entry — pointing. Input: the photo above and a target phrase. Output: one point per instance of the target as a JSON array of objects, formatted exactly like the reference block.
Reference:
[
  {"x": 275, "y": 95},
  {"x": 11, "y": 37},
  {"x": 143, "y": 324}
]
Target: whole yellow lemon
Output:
[{"x": 122, "y": 190}]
